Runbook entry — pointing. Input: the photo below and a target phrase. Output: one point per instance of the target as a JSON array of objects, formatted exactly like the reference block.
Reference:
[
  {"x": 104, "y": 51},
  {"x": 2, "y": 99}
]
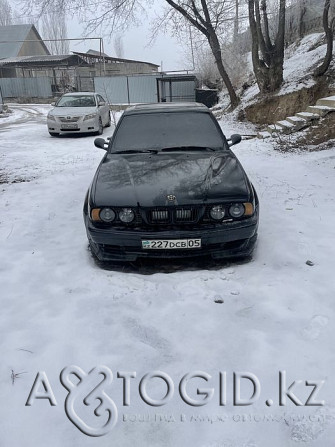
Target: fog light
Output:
[
  {"x": 236, "y": 210},
  {"x": 217, "y": 212},
  {"x": 126, "y": 215}
]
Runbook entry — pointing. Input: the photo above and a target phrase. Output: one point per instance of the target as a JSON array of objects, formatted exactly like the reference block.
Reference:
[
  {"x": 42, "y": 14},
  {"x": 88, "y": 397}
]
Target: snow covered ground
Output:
[{"x": 59, "y": 308}]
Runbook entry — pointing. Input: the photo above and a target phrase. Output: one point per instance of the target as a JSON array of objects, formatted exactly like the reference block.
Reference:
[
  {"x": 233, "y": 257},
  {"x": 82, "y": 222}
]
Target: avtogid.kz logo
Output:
[{"x": 94, "y": 413}]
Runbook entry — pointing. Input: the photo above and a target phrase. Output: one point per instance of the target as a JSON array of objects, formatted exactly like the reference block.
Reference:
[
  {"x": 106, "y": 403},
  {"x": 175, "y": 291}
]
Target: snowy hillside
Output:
[{"x": 300, "y": 60}]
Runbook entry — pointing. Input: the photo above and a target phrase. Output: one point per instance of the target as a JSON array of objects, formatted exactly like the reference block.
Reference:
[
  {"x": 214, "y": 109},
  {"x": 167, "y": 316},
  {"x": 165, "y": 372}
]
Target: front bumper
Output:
[
  {"x": 80, "y": 126},
  {"x": 228, "y": 240}
]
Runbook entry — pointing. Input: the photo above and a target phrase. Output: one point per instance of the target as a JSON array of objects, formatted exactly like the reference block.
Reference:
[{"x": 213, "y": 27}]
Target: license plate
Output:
[
  {"x": 172, "y": 244},
  {"x": 69, "y": 126}
]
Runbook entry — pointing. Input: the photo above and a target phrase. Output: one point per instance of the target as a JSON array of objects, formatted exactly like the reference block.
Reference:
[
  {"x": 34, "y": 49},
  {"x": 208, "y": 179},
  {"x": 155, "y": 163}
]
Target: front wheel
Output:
[{"x": 101, "y": 127}]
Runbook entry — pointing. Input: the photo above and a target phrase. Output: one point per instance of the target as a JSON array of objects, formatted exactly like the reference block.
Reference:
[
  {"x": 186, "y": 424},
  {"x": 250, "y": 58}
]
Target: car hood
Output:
[
  {"x": 147, "y": 179},
  {"x": 72, "y": 111}
]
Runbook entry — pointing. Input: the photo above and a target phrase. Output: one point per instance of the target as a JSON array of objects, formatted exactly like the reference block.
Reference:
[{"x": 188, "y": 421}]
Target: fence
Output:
[
  {"x": 130, "y": 89},
  {"x": 146, "y": 88},
  {"x": 1, "y": 101},
  {"x": 26, "y": 87}
]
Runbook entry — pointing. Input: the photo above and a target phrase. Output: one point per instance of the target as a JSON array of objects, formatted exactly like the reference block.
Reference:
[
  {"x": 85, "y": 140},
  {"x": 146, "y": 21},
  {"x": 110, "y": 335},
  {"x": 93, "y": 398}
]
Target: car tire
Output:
[
  {"x": 101, "y": 127},
  {"x": 54, "y": 134},
  {"x": 109, "y": 123}
]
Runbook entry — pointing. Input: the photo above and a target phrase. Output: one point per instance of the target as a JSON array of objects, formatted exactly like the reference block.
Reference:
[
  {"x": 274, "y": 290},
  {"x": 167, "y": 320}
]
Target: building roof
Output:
[
  {"x": 96, "y": 53},
  {"x": 43, "y": 61},
  {"x": 12, "y": 38},
  {"x": 97, "y": 57}
]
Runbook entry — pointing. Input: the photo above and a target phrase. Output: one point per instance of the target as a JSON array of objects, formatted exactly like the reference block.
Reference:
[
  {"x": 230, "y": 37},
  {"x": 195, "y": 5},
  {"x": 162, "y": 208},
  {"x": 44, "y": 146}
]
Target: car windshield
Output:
[
  {"x": 175, "y": 130},
  {"x": 76, "y": 101}
]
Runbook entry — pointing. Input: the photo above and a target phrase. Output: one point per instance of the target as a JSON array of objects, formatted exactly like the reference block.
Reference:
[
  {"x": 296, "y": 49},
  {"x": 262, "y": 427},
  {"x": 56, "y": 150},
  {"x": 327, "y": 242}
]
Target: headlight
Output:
[
  {"x": 236, "y": 210},
  {"x": 51, "y": 117},
  {"x": 126, "y": 215},
  {"x": 107, "y": 215},
  {"x": 90, "y": 116},
  {"x": 217, "y": 212}
]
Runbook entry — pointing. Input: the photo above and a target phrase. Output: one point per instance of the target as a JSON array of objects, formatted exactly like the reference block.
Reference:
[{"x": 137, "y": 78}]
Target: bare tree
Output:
[
  {"x": 302, "y": 13},
  {"x": 328, "y": 26},
  {"x": 6, "y": 17},
  {"x": 108, "y": 15},
  {"x": 206, "y": 67},
  {"x": 236, "y": 20},
  {"x": 267, "y": 56},
  {"x": 208, "y": 18},
  {"x": 54, "y": 27},
  {"x": 118, "y": 46}
]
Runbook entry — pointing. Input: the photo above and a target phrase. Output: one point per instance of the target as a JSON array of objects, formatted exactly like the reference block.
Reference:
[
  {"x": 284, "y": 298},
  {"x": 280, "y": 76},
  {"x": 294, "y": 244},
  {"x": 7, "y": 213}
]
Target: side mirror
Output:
[
  {"x": 101, "y": 103},
  {"x": 53, "y": 104},
  {"x": 234, "y": 139},
  {"x": 101, "y": 143}
]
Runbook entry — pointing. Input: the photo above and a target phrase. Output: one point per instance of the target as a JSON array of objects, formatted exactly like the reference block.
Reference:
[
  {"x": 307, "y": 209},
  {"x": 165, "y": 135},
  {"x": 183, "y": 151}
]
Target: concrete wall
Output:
[
  {"x": 112, "y": 69},
  {"x": 126, "y": 68}
]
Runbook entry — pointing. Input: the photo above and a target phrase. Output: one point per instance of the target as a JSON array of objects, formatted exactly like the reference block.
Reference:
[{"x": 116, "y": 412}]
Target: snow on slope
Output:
[
  {"x": 300, "y": 60},
  {"x": 58, "y": 307}
]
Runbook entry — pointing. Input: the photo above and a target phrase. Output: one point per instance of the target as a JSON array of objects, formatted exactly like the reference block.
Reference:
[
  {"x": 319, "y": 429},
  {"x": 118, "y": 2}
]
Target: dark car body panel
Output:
[
  {"x": 146, "y": 180},
  {"x": 198, "y": 179}
]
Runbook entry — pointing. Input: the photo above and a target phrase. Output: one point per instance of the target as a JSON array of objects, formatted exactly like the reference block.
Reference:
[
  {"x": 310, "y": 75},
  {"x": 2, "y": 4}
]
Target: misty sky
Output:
[
  {"x": 135, "y": 46},
  {"x": 135, "y": 40}
]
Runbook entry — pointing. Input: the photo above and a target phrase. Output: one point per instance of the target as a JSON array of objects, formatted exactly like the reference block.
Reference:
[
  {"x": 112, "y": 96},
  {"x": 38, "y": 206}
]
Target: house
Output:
[
  {"x": 21, "y": 40},
  {"x": 114, "y": 65},
  {"x": 24, "y": 57},
  {"x": 100, "y": 64},
  {"x": 60, "y": 70}
]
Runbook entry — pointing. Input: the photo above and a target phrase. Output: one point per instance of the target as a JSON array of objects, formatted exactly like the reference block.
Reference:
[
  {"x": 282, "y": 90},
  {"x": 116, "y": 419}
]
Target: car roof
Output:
[
  {"x": 166, "y": 107},
  {"x": 79, "y": 94}
]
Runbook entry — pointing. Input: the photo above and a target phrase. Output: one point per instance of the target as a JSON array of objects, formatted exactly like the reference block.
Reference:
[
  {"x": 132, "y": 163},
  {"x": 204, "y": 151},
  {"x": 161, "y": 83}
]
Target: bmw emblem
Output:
[{"x": 171, "y": 197}]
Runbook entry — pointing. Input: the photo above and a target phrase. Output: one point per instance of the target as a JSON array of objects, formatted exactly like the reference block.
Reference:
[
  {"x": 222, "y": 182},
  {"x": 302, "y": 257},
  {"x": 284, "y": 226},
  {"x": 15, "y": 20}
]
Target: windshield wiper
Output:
[
  {"x": 137, "y": 151},
  {"x": 188, "y": 148}
]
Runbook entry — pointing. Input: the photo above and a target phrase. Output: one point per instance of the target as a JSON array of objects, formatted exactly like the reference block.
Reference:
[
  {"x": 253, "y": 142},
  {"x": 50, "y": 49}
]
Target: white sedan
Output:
[{"x": 80, "y": 112}]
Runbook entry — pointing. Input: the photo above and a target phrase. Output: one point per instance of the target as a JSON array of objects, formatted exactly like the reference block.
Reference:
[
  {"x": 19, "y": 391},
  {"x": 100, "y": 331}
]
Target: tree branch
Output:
[{"x": 187, "y": 16}]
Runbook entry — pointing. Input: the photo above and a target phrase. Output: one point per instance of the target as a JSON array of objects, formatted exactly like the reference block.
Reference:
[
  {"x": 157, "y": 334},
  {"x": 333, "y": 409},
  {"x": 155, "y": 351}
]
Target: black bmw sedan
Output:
[{"x": 169, "y": 186}]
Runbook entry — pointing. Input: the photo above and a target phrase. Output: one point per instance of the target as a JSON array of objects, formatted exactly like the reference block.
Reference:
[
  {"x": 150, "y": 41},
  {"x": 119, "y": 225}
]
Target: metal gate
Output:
[
  {"x": 127, "y": 89},
  {"x": 146, "y": 88},
  {"x": 176, "y": 88}
]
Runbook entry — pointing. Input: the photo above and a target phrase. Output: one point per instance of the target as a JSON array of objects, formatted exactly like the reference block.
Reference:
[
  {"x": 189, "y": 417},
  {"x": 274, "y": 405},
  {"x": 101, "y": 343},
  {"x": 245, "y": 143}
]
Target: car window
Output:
[
  {"x": 101, "y": 99},
  {"x": 76, "y": 101},
  {"x": 164, "y": 130}
]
